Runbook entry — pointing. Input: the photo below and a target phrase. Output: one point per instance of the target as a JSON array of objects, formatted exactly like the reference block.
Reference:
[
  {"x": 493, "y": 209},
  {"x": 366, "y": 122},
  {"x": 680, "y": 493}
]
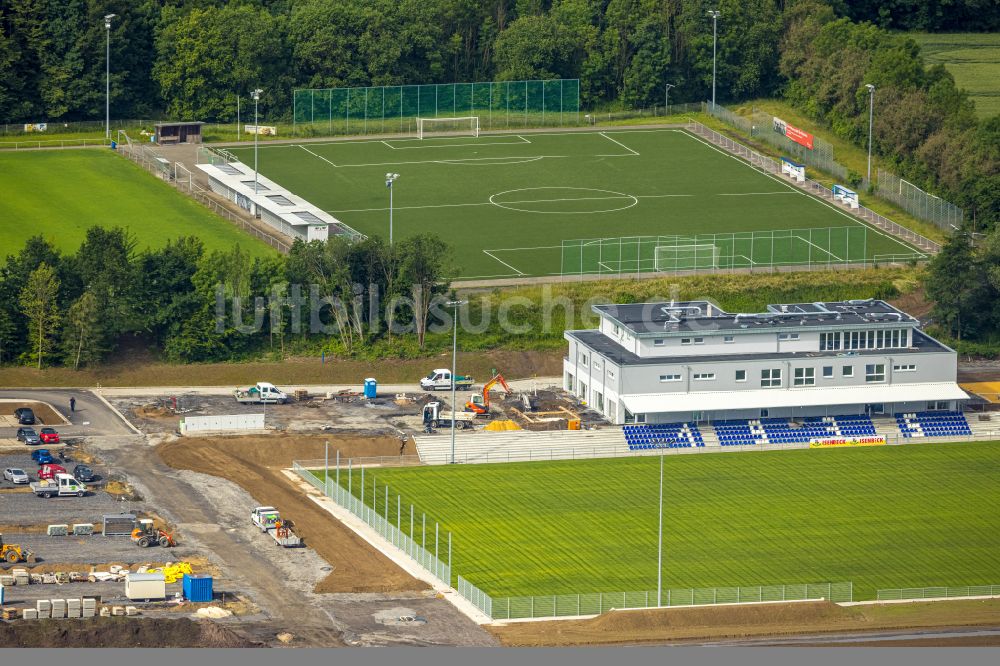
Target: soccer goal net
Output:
[
  {"x": 461, "y": 126},
  {"x": 685, "y": 257}
]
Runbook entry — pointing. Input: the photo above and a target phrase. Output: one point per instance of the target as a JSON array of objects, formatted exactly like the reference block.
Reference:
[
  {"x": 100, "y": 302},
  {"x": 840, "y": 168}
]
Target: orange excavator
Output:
[{"x": 480, "y": 404}]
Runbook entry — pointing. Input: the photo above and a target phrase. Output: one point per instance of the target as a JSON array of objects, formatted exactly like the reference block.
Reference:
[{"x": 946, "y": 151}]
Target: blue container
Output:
[
  {"x": 370, "y": 386},
  {"x": 197, "y": 587}
]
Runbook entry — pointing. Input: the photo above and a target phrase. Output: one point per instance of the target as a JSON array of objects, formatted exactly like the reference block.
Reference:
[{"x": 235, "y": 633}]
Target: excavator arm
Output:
[{"x": 483, "y": 407}]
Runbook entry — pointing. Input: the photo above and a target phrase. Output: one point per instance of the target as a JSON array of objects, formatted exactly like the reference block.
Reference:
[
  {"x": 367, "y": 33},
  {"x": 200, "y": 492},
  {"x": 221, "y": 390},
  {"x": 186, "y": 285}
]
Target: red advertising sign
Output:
[{"x": 800, "y": 137}]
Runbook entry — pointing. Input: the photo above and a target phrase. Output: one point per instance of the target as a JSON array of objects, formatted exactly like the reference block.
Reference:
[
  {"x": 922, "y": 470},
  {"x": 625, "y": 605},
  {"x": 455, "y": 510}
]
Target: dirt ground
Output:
[
  {"x": 119, "y": 632},
  {"x": 44, "y": 414},
  {"x": 255, "y": 463},
  {"x": 146, "y": 371},
  {"x": 733, "y": 622}
]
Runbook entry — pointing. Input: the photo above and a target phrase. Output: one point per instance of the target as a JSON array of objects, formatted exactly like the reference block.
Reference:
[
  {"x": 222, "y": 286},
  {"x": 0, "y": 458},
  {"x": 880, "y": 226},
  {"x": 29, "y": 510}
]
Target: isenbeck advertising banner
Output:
[{"x": 826, "y": 442}]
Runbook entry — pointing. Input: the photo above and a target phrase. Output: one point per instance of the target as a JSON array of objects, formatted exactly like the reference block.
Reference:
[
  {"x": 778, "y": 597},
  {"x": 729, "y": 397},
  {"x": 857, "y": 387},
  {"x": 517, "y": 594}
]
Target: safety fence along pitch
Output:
[{"x": 917, "y": 593}]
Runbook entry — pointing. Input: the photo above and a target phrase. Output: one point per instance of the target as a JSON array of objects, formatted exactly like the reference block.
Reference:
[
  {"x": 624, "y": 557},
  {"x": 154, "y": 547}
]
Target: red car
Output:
[
  {"x": 48, "y": 436},
  {"x": 49, "y": 471}
]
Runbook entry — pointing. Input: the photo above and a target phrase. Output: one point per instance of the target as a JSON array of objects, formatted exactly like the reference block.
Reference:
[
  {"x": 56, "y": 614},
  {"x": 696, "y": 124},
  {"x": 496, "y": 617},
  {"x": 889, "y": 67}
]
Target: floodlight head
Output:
[
  {"x": 256, "y": 94},
  {"x": 107, "y": 20},
  {"x": 714, "y": 13},
  {"x": 870, "y": 87}
]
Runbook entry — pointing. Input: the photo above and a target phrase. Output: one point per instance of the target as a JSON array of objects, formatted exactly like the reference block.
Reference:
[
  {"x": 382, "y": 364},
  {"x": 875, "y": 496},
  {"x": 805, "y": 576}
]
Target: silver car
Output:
[{"x": 15, "y": 475}]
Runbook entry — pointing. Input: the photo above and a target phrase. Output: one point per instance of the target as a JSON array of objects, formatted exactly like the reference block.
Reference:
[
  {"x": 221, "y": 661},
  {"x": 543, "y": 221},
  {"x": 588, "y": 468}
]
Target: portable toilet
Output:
[
  {"x": 145, "y": 586},
  {"x": 197, "y": 587},
  {"x": 370, "y": 388}
]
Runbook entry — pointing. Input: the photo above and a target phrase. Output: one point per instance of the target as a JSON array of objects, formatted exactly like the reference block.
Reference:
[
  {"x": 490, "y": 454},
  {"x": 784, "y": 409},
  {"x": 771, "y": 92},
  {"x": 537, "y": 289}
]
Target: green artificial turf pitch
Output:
[
  {"x": 507, "y": 202},
  {"x": 880, "y": 517},
  {"x": 60, "y": 194}
]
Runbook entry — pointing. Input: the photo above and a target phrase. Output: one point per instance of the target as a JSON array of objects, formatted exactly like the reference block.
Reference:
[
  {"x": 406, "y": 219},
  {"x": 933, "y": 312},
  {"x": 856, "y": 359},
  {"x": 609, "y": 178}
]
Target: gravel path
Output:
[{"x": 95, "y": 549}]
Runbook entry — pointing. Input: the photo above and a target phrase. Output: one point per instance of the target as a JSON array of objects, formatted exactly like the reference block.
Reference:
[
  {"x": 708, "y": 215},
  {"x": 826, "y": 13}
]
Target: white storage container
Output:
[{"x": 146, "y": 586}]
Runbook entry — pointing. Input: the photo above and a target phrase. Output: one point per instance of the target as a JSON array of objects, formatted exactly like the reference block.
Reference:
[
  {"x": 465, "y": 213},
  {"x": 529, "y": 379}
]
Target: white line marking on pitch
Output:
[
  {"x": 619, "y": 143},
  {"x": 818, "y": 247},
  {"x": 488, "y": 253},
  {"x": 315, "y": 155},
  {"x": 747, "y": 194},
  {"x": 461, "y": 145}
]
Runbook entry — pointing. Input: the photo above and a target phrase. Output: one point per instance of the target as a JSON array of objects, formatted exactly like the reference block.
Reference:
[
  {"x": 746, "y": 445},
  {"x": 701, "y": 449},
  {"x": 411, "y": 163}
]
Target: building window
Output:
[
  {"x": 847, "y": 370},
  {"x": 788, "y": 336},
  {"x": 670, "y": 378},
  {"x": 584, "y": 396},
  {"x": 569, "y": 382},
  {"x": 729, "y": 339},
  {"x": 908, "y": 367},
  {"x": 634, "y": 418},
  {"x": 827, "y": 371},
  {"x": 805, "y": 377},
  {"x": 616, "y": 329},
  {"x": 764, "y": 413},
  {"x": 659, "y": 342},
  {"x": 699, "y": 341},
  {"x": 770, "y": 377},
  {"x": 583, "y": 359},
  {"x": 875, "y": 372},
  {"x": 829, "y": 341},
  {"x": 685, "y": 341},
  {"x": 902, "y": 338},
  {"x": 703, "y": 376},
  {"x": 741, "y": 375},
  {"x": 611, "y": 374},
  {"x": 937, "y": 406},
  {"x": 599, "y": 401}
]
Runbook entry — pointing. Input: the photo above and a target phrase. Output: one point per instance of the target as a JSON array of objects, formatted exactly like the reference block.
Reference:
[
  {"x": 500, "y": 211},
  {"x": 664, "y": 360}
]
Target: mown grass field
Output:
[
  {"x": 882, "y": 517},
  {"x": 505, "y": 203},
  {"x": 60, "y": 194},
  {"x": 973, "y": 59}
]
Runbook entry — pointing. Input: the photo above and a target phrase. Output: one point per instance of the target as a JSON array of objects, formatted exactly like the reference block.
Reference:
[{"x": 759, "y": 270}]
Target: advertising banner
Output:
[
  {"x": 797, "y": 135},
  {"x": 827, "y": 442}
]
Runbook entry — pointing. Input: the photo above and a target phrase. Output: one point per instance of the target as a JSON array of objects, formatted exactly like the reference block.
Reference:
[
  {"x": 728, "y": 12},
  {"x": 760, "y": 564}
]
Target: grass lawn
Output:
[
  {"x": 906, "y": 516},
  {"x": 60, "y": 194},
  {"x": 506, "y": 203},
  {"x": 973, "y": 59}
]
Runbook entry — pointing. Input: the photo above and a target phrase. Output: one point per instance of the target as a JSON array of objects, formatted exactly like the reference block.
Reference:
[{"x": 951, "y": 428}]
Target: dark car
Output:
[
  {"x": 83, "y": 473},
  {"x": 28, "y": 436},
  {"x": 24, "y": 416},
  {"x": 49, "y": 435},
  {"x": 42, "y": 457}
]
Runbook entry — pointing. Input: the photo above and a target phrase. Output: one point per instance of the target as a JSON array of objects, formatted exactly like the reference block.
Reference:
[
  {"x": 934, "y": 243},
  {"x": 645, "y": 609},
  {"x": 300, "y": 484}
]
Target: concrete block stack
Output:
[
  {"x": 21, "y": 576},
  {"x": 105, "y": 611},
  {"x": 73, "y": 608},
  {"x": 83, "y": 529},
  {"x": 117, "y": 610},
  {"x": 7, "y": 581},
  {"x": 89, "y": 607},
  {"x": 58, "y": 609},
  {"x": 30, "y": 614},
  {"x": 44, "y": 608},
  {"x": 58, "y": 530}
]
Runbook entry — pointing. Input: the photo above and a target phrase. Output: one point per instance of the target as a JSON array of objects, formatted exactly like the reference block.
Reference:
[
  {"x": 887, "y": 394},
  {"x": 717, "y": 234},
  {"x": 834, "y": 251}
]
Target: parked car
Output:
[
  {"x": 15, "y": 475},
  {"x": 48, "y": 435},
  {"x": 24, "y": 416},
  {"x": 28, "y": 436},
  {"x": 42, "y": 457},
  {"x": 50, "y": 470},
  {"x": 83, "y": 473}
]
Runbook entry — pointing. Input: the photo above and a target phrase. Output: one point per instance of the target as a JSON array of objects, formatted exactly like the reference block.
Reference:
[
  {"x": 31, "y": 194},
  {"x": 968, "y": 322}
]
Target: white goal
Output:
[
  {"x": 685, "y": 257},
  {"x": 461, "y": 126}
]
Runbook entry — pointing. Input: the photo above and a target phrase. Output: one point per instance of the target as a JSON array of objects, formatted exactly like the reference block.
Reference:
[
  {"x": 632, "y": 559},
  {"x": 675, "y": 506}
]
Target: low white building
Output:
[
  {"x": 278, "y": 207},
  {"x": 693, "y": 362}
]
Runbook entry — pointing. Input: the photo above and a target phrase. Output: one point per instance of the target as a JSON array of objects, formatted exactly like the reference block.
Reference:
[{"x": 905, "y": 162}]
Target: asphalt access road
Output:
[
  {"x": 25, "y": 508},
  {"x": 92, "y": 416}
]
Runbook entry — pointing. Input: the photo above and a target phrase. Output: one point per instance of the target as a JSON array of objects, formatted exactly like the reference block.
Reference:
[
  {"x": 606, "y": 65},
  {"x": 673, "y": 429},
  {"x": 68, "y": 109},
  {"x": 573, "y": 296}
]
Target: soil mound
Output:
[{"x": 115, "y": 632}]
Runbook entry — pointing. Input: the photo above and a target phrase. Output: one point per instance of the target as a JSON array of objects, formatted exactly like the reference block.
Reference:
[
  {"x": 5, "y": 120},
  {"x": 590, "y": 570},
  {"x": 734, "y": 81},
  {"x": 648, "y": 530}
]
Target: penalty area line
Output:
[{"x": 492, "y": 256}]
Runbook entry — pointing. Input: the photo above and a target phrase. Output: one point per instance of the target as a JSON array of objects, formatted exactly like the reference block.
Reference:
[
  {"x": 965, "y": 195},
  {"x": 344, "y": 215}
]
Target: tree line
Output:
[
  {"x": 964, "y": 284},
  {"x": 196, "y": 305}
]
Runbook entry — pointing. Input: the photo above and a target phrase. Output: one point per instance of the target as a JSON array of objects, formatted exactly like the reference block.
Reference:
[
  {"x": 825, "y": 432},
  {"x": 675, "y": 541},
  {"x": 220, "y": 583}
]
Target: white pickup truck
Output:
[
  {"x": 440, "y": 380},
  {"x": 62, "y": 485},
  {"x": 262, "y": 392},
  {"x": 269, "y": 521}
]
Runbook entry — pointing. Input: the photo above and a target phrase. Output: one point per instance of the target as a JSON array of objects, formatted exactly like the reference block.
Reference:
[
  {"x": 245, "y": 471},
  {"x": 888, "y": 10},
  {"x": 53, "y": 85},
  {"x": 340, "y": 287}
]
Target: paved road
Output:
[
  {"x": 383, "y": 389},
  {"x": 92, "y": 416}
]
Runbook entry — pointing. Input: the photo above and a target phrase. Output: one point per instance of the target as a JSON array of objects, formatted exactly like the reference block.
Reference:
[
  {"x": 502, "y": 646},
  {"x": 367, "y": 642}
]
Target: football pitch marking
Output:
[
  {"x": 455, "y": 145},
  {"x": 620, "y": 144},
  {"x": 614, "y": 196},
  {"x": 490, "y": 255},
  {"x": 819, "y": 248},
  {"x": 319, "y": 156}
]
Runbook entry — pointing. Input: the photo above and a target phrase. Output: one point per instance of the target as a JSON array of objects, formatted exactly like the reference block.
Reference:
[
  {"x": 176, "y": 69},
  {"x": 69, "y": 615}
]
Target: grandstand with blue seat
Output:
[
  {"x": 740, "y": 432},
  {"x": 663, "y": 436},
  {"x": 932, "y": 424}
]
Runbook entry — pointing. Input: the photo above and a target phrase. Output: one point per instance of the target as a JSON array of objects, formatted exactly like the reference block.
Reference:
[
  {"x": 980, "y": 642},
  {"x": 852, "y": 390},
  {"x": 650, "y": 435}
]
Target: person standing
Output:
[{"x": 72, "y": 404}]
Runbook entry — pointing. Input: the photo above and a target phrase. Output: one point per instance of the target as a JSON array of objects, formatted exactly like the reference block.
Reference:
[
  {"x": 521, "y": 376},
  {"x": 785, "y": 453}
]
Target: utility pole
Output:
[
  {"x": 871, "y": 115},
  {"x": 390, "y": 178},
  {"x": 107, "y": 77},
  {"x": 715, "y": 38}
]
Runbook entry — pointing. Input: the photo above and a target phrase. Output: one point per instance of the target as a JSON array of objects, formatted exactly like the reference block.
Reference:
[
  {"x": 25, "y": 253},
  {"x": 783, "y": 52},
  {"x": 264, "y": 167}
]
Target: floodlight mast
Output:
[
  {"x": 871, "y": 114},
  {"x": 666, "y": 98},
  {"x": 390, "y": 178},
  {"x": 256, "y": 133},
  {"x": 107, "y": 76},
  {"x": 715, "y": 32}
]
